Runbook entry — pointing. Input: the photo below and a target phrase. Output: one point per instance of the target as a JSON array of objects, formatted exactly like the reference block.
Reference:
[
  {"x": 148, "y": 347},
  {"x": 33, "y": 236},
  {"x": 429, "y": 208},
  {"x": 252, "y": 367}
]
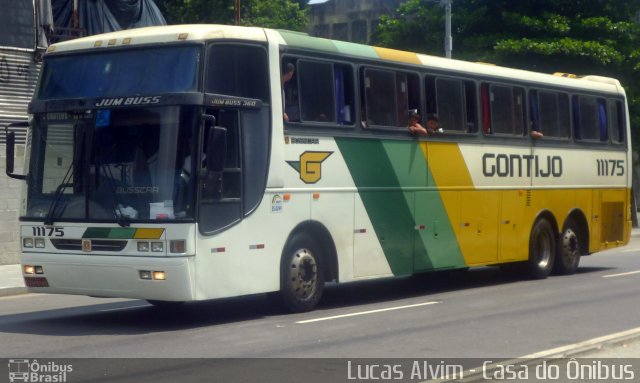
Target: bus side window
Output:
[
  {"x": 453, "y": 101},
  {"x": 590, "y": 117},
  {"x": 553, "y": 117},
  {"x": 616, "y": 121},
  {"x": 506, "y": 105},
  {"x": 237, "y": 70},
  {"x": 379, "y": 88}
]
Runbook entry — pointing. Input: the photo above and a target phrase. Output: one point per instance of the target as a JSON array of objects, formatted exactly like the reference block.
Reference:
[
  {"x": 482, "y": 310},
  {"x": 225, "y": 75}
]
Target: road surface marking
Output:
[
  {"x": 367, "y": 312},
  {"x": 586, "y": 345},
  {"x": 621, "y": 274},
  {"x": 629, "y": 250}
]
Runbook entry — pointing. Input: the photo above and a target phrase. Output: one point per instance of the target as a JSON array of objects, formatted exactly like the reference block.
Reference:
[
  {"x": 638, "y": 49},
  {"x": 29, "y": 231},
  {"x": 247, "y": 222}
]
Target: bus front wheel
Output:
[
  {"x": 542, "y": 249},
  {"x": 569, "y": 250},
  {"x": 302, "y": 274}
]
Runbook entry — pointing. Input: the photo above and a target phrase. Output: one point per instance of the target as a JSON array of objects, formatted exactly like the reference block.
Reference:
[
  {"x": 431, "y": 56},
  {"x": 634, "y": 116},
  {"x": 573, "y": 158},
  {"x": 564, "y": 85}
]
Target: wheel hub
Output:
[
  {"x": 570, "y": 248},
  {"x": 304, "y": 274}
]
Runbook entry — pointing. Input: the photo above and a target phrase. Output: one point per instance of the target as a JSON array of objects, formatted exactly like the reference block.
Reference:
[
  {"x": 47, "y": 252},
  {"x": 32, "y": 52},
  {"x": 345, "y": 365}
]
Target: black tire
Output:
[
  {"x": 301, "y": 274},
  {"x": 542, "y": 249},
  {"x": 569, "y": 250}
]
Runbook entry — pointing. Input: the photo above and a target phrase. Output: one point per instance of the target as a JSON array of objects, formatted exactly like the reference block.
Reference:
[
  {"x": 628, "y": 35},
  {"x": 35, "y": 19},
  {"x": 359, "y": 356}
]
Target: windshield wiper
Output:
[
  {"x": 48, "y": 220},
  {"x": 73, "y": 172}
]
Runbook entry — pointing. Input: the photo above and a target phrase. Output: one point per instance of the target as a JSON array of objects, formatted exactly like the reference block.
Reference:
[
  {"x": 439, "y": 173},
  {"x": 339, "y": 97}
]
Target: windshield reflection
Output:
[{"x": 125, "y": 164}]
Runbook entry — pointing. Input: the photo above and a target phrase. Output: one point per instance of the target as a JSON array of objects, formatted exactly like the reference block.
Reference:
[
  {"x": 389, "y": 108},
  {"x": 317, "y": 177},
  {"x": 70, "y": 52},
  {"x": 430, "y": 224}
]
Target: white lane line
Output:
[
  {"x": 367, "y": 312},
  {"x": 621, "y": 274},
  {"x": 587, "y": 344},
  {"x": 125, "y": 308},
  {"x": 629, "y": 250}
]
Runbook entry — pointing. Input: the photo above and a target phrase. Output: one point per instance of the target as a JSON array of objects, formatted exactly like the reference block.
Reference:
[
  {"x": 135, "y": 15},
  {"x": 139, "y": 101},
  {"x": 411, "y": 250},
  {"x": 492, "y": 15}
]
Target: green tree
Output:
[
  {"x": 285, "y": 14},
  {"x": 598, "y": 37}
]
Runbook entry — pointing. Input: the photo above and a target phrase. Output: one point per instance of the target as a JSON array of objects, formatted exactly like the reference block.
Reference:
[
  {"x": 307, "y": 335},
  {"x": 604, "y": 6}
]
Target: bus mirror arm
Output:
[
  {"x": 216, "y": 149},
  {"x": 11, "y": 143}
]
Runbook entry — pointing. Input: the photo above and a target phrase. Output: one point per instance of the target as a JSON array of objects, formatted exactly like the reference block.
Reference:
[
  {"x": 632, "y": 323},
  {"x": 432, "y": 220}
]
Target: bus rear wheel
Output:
[
  {"x": 542, "y": 249},
  {"x": 301, "y": 275},
  {"x": 569, "y": 250}
]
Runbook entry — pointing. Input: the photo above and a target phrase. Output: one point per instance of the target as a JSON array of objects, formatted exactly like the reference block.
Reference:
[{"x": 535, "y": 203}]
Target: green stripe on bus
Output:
[
  {"x": 397, "y": 215},
  {"x": 356, "y": 49},
  {"x": 302, "y": 40},
  {"x": 122, "y": 233},
  {"x": 109, "y": 232}
]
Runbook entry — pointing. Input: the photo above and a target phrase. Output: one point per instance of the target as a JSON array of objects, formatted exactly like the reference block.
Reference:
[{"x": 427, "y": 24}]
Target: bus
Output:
[{"x": 195, "y": 162}]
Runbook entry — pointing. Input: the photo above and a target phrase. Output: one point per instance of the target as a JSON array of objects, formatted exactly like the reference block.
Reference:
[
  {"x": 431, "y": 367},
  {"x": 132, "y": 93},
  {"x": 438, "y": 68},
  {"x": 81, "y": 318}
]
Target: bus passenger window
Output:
[
  {"x": 453, "y": 101},
  {"x": 317, "y": 98},
  {"x": 381, "y": 109},
  {"x": 616, "y": 121},
  {"x": 451, "y": 104},
  {"x": 553, "y": 114},
  {"x": 591, "y": 118},
  {"x": 506, "y": 109}
]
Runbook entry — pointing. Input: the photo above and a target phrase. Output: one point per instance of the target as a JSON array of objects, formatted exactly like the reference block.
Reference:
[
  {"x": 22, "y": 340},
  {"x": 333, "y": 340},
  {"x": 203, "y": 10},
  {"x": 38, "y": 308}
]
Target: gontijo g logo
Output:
[
  {"x": 310, "y": 166},
  {"x": 25, "y": 371}
]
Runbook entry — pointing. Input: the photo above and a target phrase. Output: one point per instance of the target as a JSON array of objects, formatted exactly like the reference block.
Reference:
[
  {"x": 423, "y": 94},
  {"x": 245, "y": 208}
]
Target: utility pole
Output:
[
  {"x": 236, "y": 8},
  {"x": 448, "y": 40}
]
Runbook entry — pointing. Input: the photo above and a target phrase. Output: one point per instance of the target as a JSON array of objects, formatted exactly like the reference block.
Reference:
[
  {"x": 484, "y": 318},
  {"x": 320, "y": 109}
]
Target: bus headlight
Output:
[
  {"x": 143, "y": 246},
  {"x": 39, "y": 243},
  {"x": 27, "y": 242},
  {"x": 157, "y": 247}
]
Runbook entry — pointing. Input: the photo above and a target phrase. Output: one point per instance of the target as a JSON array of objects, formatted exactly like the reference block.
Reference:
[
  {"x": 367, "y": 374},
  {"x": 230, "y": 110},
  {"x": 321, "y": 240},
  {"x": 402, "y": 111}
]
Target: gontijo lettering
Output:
[{"x": 517, "y": 165}]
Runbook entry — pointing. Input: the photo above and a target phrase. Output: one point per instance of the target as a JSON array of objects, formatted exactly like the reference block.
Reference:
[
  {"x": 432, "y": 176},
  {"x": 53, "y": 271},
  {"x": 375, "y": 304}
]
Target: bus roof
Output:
[{"x": 196, "y": 32}]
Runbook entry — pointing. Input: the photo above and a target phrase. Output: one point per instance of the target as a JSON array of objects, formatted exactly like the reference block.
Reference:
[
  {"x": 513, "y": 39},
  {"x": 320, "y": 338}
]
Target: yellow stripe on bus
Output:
[
  {"x": 395, "y": 55},
  {"x": 146, "y": 233}
]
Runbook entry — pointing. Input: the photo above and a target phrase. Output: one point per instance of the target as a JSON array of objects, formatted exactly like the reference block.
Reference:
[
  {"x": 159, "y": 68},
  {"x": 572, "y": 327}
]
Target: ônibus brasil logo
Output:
[{"x": 23, "y": 370}]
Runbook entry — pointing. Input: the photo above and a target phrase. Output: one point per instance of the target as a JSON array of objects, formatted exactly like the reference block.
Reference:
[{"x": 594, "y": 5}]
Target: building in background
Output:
[{"x": 348, "y": 20}]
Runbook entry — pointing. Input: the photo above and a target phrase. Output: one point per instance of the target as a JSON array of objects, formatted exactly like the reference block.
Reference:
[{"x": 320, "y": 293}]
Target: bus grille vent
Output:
[
  {"x": 528, "y": 201},
  {"x": 96, "y": 244}
]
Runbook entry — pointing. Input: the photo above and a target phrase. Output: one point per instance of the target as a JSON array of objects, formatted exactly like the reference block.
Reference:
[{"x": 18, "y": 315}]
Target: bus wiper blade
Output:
[{"x": 48, "y": 220}]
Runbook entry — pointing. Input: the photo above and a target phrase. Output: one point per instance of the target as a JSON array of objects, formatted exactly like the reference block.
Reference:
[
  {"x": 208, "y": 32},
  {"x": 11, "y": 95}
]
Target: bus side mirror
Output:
[
  {"x": 11, "y": 143},
  {"x": 216, "y": 149}
]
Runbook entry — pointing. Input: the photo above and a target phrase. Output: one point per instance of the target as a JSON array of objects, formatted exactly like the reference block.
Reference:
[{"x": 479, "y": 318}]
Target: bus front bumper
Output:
[{"x": 109, "y": 276}]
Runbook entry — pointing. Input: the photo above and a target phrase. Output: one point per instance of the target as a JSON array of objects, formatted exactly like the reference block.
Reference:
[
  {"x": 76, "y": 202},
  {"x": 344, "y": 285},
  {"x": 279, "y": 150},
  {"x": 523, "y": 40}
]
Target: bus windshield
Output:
[
  {"x": 123, "y": 72},
  {"x": 122, "y": 164}
]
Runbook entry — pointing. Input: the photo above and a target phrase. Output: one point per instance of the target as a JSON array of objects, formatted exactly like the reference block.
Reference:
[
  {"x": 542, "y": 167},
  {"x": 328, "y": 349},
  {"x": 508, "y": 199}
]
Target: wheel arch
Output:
[
  {"x": 548, "y": 215},
  {"x": 577, "y": 216},
  {"x": 329, "y": 254}
]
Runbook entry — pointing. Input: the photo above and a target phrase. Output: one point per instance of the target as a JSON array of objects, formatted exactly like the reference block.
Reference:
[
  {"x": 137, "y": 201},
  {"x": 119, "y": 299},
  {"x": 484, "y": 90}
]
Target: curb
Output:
[{"x": 8, "y": 291}]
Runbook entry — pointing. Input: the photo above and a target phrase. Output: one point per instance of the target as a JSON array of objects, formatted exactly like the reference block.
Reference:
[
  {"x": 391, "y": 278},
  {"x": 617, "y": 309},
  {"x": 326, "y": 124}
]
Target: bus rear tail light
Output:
[{"x": 178, "y": 246}]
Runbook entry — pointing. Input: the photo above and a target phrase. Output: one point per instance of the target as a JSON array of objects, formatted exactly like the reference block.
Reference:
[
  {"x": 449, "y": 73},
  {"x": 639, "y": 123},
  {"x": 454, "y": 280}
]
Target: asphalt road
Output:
[{"x": 482, "y": 313}]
